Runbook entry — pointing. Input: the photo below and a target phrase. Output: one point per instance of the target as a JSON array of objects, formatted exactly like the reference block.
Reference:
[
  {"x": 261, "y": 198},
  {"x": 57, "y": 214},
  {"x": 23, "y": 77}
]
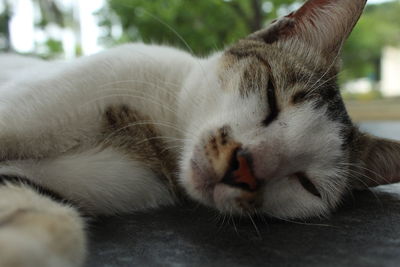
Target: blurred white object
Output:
[
  {"x": 359, "y": 86},
  {"x": 22, "y": 25},
  {"x": 390, "y": 69},
  {"x": 90, "y": 31}
]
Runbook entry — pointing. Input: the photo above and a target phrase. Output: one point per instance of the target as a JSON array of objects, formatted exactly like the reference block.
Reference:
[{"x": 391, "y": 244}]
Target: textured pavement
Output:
[{"x": 364, "y": 231}]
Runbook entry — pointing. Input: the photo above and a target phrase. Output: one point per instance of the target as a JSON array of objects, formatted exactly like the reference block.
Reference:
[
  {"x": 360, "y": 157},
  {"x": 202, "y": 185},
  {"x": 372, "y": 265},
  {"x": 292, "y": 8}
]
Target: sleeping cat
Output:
[{"x": 260, "y": 127}]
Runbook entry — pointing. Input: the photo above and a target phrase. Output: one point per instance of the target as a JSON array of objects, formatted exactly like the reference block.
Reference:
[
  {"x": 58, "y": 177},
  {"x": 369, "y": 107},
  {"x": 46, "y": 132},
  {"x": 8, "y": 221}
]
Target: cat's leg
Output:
[
  {"x": 38, "y": 231},
  {"x": 129, "y": 169},
  {"x": 99, "y": 180}
]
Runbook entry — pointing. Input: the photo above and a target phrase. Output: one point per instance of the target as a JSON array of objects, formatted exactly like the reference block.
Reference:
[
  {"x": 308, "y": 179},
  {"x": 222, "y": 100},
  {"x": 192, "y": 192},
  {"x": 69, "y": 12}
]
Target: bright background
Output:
[{"x": 71, "y": 28}]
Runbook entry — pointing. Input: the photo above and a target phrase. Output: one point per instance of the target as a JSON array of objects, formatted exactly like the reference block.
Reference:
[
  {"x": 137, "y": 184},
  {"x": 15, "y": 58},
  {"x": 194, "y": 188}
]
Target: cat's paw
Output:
[
  {"x": 20, "y": 250},
  {"x": 36, "y": 231}
]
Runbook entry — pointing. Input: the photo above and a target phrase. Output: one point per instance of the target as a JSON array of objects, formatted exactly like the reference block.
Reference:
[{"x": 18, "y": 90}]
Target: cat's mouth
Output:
[{"x": 234, "y": 189}]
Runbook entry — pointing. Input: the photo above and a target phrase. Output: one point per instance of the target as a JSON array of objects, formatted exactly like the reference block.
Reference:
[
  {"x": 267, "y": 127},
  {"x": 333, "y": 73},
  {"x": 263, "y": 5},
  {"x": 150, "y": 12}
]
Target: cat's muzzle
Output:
[{"x": 239, "y": 173}]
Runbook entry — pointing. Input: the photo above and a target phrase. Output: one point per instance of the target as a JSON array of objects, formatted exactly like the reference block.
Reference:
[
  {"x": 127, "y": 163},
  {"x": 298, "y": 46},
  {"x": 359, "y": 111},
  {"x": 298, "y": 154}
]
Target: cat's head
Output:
[{"x": 269, "y": 132}]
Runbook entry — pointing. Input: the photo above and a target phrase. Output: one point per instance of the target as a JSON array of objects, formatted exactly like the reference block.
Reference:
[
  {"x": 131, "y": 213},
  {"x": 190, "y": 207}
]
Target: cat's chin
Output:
[{"x": 230, "y": 200}]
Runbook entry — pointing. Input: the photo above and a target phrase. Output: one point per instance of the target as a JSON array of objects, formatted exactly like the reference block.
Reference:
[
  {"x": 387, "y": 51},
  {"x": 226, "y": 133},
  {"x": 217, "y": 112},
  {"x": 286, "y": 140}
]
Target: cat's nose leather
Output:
[{"x": 239, "y": 173}]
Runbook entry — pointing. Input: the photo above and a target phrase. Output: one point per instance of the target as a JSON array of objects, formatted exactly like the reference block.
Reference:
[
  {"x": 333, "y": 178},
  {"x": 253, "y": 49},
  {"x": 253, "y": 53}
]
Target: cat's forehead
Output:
[
  {"x": 297, "y": 77},
  {"x": 294, "y": 72}
]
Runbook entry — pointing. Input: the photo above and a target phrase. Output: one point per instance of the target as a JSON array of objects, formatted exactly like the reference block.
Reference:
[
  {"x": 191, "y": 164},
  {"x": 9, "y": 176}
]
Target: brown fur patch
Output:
[
  {"x": 254, "y": 78},
  {"x": 292, "y": 72},
  {"x": 219, "y": 150},
  {"x": 134, "y": 134}
]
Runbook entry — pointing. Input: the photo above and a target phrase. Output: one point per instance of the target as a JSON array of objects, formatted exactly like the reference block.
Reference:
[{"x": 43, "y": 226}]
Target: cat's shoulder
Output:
[{"x": 141, "y": 51}]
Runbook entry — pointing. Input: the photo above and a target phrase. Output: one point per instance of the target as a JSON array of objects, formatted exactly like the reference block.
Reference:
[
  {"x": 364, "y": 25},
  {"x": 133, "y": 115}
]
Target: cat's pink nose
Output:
[{"x": 239, "y": 173}]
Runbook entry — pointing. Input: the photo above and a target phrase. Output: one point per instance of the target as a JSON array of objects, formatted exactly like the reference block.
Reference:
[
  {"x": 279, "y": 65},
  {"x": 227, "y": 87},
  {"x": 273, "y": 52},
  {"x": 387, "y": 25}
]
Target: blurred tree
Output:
[
  {"x": 378, "y": 27},
  {"x": 63, "y": 14},
  {"x": 48, "y": 13},
  {"x": 200, "y": 26},
  {"x": 5, "y": 17}
]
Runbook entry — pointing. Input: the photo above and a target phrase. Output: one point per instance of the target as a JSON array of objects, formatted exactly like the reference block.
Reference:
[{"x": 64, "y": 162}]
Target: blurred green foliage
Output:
[
  {"x": 48, "y": 12},
  {"x": 198, "y": 26},
  {"x": 203, "y": 26},
  {"x": 5, "y": 17},
  {"x": 378, "y": 27},
  {"x": 52, "y": 48}
]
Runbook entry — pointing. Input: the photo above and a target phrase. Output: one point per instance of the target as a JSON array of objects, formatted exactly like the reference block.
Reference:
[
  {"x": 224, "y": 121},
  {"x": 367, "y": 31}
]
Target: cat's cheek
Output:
[
  {"x": 193, "y": 181},
  {"x": 286, "y": 199}
]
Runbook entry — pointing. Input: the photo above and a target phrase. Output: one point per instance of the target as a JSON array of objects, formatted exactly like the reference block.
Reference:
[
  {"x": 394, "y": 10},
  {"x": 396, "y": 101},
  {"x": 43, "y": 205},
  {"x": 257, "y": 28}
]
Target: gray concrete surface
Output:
[{"x": 364, "y": 231}]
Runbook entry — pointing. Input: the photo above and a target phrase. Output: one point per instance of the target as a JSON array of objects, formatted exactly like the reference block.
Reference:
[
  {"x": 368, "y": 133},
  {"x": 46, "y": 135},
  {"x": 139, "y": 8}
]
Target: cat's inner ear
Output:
[
  {"x": 380, "y": 162},
  {"x": 321, "y": 24}
]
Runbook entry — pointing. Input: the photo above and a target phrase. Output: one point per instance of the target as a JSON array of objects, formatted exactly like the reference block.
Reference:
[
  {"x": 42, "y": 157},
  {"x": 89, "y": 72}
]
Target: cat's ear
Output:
[
  {"x": 380, "y": 162},
  {"x": 321, "y": 24}
]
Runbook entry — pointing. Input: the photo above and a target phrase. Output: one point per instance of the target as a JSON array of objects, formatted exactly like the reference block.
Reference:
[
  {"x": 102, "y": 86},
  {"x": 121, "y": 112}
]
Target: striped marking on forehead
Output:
[
  {"x": 255, "y": 69},
  {"x": 295, "y": 82},
  {"x": 287, "y": 73},
  {"x": 257, "y": 76},
  {"x": 254, "y": 53}
]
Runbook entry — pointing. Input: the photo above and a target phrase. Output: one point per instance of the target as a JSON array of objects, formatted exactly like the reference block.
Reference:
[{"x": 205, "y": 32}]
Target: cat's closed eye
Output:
[
  {"x": 272, "y": 103},
  {"x": 307, "y": 184}
]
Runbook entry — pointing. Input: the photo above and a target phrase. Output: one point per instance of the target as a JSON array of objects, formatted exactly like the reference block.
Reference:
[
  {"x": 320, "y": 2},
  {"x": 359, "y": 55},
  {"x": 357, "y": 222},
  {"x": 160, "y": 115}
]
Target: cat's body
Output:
[
  {"x": 102, "y": 132},
  {"x": 260, "y": 127},
  {"x": 80, "y": 143}
]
